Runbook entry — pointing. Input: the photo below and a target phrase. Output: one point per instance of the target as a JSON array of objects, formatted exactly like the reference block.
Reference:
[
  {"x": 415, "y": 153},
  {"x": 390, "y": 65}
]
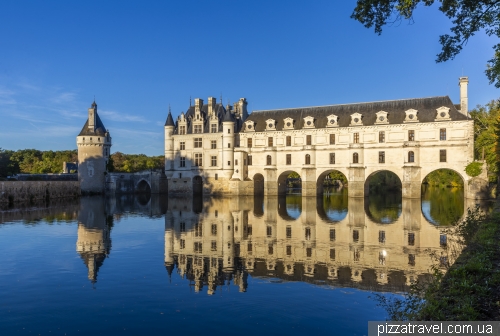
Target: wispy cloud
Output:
[
  {"x": 123, "y": 117},
  {"x": 64, "y": 97},
  {"x": 7, "y": 96}
]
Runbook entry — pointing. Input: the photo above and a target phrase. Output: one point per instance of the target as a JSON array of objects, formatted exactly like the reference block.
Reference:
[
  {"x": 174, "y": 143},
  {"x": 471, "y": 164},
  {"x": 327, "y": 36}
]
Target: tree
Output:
[{"x": 468, "y": 17}]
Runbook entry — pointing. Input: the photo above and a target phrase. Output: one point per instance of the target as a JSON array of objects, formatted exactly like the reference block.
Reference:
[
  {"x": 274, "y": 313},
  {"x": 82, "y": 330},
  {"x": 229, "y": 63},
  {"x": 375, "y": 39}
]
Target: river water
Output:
[{"x": 155, "y": 266}]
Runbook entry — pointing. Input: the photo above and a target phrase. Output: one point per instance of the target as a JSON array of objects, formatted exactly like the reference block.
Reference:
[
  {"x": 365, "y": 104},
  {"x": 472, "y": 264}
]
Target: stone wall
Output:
[{"x": 29, "y": 191}]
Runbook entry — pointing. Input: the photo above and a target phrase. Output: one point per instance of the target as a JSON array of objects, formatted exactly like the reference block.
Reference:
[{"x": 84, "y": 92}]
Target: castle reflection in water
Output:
[{"x": 327, "y": 241}]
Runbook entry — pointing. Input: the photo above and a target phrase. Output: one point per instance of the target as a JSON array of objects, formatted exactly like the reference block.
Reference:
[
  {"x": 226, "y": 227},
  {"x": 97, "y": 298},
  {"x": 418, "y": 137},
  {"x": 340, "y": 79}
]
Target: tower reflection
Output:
[{"x": 94, "y": 227}]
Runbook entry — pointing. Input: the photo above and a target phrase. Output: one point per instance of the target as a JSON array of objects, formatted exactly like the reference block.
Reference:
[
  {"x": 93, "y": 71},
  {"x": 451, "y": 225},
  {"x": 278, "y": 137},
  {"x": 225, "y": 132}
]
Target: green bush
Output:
[{"x": 473, "y": 169}]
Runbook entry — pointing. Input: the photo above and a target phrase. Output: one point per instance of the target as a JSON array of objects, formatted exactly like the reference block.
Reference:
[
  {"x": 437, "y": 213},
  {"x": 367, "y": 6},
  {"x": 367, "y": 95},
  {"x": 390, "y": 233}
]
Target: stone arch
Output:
[
  {"x": 198, "y": 185},
  {"x": 395, "y": 181},
  {"x": 320, "y": 181},
  {"x": 284, "y": 182},
  {"x": 143, "y": 187},
  {"x": 427, "y": 173},
  {"x": 258, "y": 184}
]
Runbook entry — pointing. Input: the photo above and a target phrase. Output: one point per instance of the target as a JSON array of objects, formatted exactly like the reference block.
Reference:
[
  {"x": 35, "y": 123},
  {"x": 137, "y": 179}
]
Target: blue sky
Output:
[{"x": 137, "y": 57}]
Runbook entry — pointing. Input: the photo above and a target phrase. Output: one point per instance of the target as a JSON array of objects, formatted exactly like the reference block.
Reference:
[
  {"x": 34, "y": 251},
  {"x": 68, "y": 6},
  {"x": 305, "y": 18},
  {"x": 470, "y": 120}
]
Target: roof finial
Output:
[
  {"x": 169, "y": 109},
  {"x": 189, "y": 101}
]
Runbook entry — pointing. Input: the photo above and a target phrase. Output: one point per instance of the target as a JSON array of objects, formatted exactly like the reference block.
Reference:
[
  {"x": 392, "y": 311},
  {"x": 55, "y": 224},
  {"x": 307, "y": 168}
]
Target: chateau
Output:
[{"x": 213, "y": 149}]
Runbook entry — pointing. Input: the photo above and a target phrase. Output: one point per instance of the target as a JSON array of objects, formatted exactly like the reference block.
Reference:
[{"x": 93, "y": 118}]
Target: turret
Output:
[
  {"x": 169, "y": 245},
  {"x": 94, "y": 149},
  {"x": 228, "y": 144},
  {"x": 169, "y": 145}
]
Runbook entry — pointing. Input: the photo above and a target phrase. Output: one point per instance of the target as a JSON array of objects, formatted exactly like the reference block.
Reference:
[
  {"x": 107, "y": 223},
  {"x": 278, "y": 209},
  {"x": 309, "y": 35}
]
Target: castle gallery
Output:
[
  {"x": 224, "y": 150},
  {"x": 212, "y": 149}
]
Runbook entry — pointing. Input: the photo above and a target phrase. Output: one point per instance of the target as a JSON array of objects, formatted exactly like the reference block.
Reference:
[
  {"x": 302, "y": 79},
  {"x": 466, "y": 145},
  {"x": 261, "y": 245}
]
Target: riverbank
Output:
[{"x": 470, "y": 290}]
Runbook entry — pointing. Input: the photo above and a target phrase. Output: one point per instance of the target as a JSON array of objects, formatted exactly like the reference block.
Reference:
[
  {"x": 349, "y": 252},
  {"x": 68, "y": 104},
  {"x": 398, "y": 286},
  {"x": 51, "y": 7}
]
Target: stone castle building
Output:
[
  {"x": 94, "y": 146},
  {"x": 223, "y": 150}
]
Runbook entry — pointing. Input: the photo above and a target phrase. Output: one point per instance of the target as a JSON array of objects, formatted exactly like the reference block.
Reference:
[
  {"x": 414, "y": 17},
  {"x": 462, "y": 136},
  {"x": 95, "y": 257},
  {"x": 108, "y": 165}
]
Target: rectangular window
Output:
[
  {"x": 381, "y": 236},
  {"x": 308, "y": 234},
  {"x": 235, "y": 162},
  {"x": 332, "y": 234},
  {"x": 198, "y": 230},
  {"x": 214, "y": 229},
  {"x": 249, "y": 247},
  {"x": 182, "y": 162},
  {"x": 198, "y": 143},
  {"x": 381, "y": 258},
  {"x": 411, "y": 239},
  {"x": 270, "y": 142},
  {"x": 249, "y": 142},
  {"x": 249, "y": 160},
  {"x": 269, "y": 231},
  {"x": 411, "y": 135},
  {"x": 355, "y": 138},
  {"x": 411, "y": 259},
  {"x": 213, "y": 144},
  {"x": 289, "y": 159},
  {"x": 183, "y": 244},
  {"x": 289, "y": 232},
  {"x": 229, "y": 163},
  {"x": 229, "y": 145},
  {"x": 182, "y": 145},
  {"x": 197, "y": 129},
  {"x": 213, "y": 161},
  {"x": 198, "y": 247},
  {"x": 249, "y": 230},
  {"x": 216, "y": 177},
  {"x": 213, "y": 128},
  {"x": 288, "y": 140},
  {"x": 381, "y": 136},
  {"x": 442, "y": 134},
  {"x": 442, "y": 155},
  {"x": 381, "y": 157},
  {"x": 270, "y": 249},
  {"x": 183, "y": 227},
  {"x": 182, "y": 130},
  {"x": 228, "y": 131},
  {"x": 309, "y": 252},
  {"x": 355, "y": 236},
  {"x": 288, "y": 250},
  {"x": 332, "y": 139},
  {"x": 214, "y": 245},
  {"x": 332, "y": 158},
  {"x": 269, "y": 160},
  {"x": 308, "y": 140},
  {"x": 332, "y": 254},
  {"x": 198, "y": 159}
]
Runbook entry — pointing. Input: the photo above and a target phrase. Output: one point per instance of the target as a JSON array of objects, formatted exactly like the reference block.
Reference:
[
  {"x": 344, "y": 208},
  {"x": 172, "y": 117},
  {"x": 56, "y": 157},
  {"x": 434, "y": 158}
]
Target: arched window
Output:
[
  {"x": 269, "y": 162},
  {"x": 411, "y": 156},
  {"x": 355, "y": 158},
  {"x": 308, "y": 159}
]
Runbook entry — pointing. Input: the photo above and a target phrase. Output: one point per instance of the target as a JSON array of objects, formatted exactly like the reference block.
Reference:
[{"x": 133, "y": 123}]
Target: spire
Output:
[
  {"x": 170, "y": 120},
  {"x": 228, "y": 116}
]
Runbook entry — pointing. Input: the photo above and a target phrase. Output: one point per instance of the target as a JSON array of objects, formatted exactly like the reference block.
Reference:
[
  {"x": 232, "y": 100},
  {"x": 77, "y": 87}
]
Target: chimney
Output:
[
  {"x": 464, "y": 101},
  {"x": 92, "y": 116},
  {"x": 198, "y": 104},
  {"x": 243, "y": 108},
  {"x": 211, "y": 105}
]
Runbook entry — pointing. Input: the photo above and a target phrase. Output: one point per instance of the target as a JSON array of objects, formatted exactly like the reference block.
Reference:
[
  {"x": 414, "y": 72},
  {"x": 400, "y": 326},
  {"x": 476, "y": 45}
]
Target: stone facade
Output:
[
  {"x": 217, "y": 150},
  {"x": 94, "y": 146}
]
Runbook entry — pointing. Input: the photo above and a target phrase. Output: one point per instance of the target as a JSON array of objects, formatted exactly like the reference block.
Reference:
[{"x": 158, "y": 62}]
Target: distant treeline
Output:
[{"x": 33, "y": 161}]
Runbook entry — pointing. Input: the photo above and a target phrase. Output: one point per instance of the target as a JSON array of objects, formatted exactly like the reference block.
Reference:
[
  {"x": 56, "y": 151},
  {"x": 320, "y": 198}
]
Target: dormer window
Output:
[
  {"x": 288, "y": 123},
  {"x": 309, "y": 122},
  {"x": 249, "y": 126},
  {"x": 442, "y": 114},
  {"x": 381, "y": 118},
  {"x": 411, "y": 116},
  {"x": 270, "y": 125},
  {"x": 356, "y": 119},
  {"x": 332, "y": 121}
]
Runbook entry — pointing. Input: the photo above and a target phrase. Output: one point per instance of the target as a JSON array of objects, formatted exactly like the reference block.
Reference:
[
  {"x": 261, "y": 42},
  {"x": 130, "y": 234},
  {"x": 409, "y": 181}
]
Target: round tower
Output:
[
  {"x": 228, "y": 144},
  {"x": 169, "y": 145},
  {"x": 94, "y": 147}
]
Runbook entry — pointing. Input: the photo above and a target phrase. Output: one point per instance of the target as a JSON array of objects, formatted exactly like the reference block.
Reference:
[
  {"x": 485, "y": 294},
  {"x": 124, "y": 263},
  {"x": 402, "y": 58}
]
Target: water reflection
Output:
[
  {"x": 369, "y": 243},
  {"x": 442, "y": 206}
]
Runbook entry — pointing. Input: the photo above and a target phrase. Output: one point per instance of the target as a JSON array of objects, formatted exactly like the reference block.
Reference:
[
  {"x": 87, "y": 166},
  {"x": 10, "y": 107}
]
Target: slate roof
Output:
[
  {"x": 99, "y": 128},
  {"x": 426, "y": 108},
  {"x": 222, "y": 115},
  {"x": 170, "y": 120}
]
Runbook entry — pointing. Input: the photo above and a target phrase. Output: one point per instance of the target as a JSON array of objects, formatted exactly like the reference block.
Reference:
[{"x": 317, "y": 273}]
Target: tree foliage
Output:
[
  {"x": 473, "y": 169},
  {"x": 131, "y": 163},
  {"x": 468, "y": 18},
  {"x": 486, "y": 132},
  {"x": 444, "y": 178}
]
